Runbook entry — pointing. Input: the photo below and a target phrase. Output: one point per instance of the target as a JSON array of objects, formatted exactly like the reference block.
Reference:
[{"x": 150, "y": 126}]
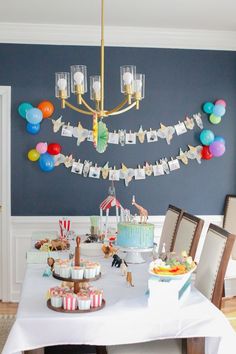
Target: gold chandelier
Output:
[{"x": 132, "y": 86}]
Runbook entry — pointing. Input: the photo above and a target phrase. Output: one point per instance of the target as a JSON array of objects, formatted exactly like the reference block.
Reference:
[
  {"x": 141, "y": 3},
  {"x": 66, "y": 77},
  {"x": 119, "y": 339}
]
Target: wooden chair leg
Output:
[
  {"x": 196, "y": 345},
  {"x": 101, "y": 350}
]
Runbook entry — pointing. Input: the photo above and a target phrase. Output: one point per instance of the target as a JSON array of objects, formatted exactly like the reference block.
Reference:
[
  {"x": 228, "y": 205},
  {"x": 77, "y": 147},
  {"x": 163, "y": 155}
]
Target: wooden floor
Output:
[{"x": 228, "y": 308}]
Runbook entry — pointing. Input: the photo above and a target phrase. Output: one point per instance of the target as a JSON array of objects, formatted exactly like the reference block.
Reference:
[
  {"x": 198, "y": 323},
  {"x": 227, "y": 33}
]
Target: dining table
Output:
[{"x": 126, "y": 318}]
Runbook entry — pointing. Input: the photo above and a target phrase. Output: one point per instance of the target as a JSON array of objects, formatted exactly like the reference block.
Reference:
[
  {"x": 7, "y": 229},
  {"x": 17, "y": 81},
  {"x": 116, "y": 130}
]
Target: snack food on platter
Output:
[{"x": 172, "y": 265}]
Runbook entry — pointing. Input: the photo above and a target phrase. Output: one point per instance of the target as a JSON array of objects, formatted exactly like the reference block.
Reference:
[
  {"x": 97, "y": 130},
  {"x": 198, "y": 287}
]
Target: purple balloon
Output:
[{"x": 217, "y": 148}]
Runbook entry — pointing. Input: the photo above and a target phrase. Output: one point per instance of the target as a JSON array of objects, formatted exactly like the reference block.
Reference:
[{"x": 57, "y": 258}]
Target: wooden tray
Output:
[
  {"x": 76, "y": 280},
  {"x": 60, "y": 309}
]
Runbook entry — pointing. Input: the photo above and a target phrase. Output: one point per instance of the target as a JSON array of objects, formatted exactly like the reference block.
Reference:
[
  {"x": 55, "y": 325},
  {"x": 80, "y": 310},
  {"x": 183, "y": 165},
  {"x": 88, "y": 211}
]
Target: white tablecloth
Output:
[{"x": 125, "y": 319}]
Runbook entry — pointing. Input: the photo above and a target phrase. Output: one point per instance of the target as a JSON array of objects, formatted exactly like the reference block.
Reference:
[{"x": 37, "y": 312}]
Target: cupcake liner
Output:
[{"x": 56, "y": 301}]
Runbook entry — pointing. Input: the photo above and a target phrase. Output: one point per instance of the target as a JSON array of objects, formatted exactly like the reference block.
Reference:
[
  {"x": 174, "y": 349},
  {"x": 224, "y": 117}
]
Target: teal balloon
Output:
[
  {"x": 32, "y": 128},
  {"x": 207, "y": 137},
  {"x": 219, "y": 110},
  {"x": 214, "y": 119},
  {"x": 219, "y": 138},
  {"x": 46, "y": 162},
  {"x": 34, "y": 116},
  {"x": 208, "y": 107},
  {"x": 23, "y": 109}
]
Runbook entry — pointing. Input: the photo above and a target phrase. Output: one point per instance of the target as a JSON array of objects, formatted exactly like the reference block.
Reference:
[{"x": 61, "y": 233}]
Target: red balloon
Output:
[
  {"x": 54, "y": 149},
  {"x": 206, "y": 154},
  {"x": 47, "y": 108}
]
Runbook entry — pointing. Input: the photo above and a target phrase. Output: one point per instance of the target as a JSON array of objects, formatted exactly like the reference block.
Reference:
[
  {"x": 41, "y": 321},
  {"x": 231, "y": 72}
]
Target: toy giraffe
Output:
[{"x": 143, "y": 213}]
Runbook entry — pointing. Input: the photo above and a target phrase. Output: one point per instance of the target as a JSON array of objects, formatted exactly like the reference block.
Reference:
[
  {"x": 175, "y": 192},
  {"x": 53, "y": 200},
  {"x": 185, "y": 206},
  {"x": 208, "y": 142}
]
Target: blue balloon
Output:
[
  {"x": 32, "y": 128},
  {"x": 23, "y": 108},
  {"x": 46, "y": 162},
  {"x": 220, "y": 138},
  {"x": 207, "y": 137},
  {"x": 208, "y": 107},
  {"x": 219, "y": 110},
  {"x": 34, "y": 116}
]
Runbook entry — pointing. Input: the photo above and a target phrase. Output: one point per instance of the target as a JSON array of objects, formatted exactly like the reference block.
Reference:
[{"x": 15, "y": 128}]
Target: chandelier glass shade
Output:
[{"x": 75, "y": 82}]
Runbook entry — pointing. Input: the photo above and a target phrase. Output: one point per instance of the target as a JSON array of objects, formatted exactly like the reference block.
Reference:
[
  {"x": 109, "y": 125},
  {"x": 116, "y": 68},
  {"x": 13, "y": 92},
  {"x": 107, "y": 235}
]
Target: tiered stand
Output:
[{"x": 76, "y": 284}]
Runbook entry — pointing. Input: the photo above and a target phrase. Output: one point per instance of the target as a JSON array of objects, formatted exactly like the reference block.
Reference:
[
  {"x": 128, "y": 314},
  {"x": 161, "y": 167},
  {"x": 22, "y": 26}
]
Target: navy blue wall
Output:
[{"x": 177, "y": 83}]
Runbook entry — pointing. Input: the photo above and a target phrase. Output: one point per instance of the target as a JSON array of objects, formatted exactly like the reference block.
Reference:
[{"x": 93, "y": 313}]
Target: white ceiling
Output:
[{"x": 186, "y": 14}]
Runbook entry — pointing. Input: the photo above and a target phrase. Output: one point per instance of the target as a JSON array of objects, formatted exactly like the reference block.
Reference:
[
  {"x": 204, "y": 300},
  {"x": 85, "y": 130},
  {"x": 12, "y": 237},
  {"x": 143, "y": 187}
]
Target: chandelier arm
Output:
[
  {"x": 88, "y": 106},
  {"x": 78, "y": 109},
  {"x": 115, "y": 109},
  {"x": 124, "y": 110}
]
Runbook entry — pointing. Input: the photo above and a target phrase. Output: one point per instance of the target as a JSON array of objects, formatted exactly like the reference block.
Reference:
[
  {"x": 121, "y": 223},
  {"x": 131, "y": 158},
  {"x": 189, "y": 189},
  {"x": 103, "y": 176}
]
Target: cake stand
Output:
[
  {"x": 76, "y": 285},
  {"x": 134, "y": 255}
]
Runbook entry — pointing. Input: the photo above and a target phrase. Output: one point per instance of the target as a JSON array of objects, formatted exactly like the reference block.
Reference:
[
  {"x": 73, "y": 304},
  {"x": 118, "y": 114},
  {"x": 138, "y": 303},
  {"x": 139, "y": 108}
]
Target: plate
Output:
[{"x": 171, "y": 276}]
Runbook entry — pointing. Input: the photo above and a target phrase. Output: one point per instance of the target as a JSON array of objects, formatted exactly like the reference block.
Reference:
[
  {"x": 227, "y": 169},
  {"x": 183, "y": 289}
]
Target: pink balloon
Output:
[
  {"x": 222, "y": 102},
  {"x": 217, "y": 148},
  {"x": 42, "y": 148}
]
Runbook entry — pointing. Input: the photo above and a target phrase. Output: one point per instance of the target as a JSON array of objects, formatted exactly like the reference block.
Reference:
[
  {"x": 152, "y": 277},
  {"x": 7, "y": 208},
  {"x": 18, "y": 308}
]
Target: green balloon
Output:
[{"x": 214, "y": 119}]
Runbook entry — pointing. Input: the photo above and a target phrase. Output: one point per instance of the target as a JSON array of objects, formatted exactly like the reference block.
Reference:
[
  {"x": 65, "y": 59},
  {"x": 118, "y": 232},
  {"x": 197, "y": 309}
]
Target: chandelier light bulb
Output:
[
  {"x": 79, "y": 77},
  {"x": 128, "y": 78},
  {"x": 96, "y": 87},
  {"x": 62, "y": 84},
  {"x": 137, "y": 85}
]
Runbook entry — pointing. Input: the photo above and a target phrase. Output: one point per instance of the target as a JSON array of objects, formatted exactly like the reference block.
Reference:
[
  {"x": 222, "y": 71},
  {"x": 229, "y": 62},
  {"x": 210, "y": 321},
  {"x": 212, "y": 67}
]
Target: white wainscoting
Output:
[{"x": 23, "y": 227}]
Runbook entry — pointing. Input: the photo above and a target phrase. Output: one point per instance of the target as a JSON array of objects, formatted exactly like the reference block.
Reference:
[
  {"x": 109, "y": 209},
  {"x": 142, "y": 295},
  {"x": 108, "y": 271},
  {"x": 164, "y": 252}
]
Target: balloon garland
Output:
[
  {"x": 34, "y": 116},
  {"x": 49, "y": 156}
]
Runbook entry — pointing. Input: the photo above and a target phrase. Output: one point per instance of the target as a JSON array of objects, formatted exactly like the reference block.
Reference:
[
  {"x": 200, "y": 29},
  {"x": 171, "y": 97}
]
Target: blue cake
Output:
[{"x": 135, "y": 235}]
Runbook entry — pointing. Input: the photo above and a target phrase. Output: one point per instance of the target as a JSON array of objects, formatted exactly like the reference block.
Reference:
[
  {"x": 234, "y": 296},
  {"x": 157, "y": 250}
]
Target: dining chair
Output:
[
  {"x": 209, "y": 281},
  {"x": 170, "y": 226},
  {"x": 187, "y": 235},
  {"x": 229, "y": 223}
]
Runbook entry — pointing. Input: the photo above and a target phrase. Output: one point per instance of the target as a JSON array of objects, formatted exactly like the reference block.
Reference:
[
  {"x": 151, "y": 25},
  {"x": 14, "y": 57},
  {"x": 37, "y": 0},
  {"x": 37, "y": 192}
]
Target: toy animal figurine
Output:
[
  {"x": 129, "y": 279},
  {"x": 143, "y": 213},
  {"x": 116, "y": 261},
  {"x": 123, "y": 268},
  {"x": 108, "y": 250},
  {"x": 59, "y": 245}
]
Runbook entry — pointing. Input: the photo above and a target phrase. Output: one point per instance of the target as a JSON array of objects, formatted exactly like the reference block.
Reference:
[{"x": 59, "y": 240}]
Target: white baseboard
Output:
[{"x": 22, "y": 228}]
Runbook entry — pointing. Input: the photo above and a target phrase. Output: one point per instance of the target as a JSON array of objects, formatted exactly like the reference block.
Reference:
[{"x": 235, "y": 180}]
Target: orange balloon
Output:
[{"x": 47, "y": 108}]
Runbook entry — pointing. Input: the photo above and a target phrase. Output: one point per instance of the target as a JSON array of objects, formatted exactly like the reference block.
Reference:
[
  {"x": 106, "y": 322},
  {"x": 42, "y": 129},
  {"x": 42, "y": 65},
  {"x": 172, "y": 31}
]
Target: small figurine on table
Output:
[
  {"x": 129, "y": 279},
  {"x": 143, "y": 213},
  {"x": 117, "y": 261},
  {"x": 124, "y": 268}
]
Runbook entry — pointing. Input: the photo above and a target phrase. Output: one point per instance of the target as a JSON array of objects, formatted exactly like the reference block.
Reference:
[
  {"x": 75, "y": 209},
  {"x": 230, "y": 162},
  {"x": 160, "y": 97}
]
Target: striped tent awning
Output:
[{"x": 110, "y": 202}]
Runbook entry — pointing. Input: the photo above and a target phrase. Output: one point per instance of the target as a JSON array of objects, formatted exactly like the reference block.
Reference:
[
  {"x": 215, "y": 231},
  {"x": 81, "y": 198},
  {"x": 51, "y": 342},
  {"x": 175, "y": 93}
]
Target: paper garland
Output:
[
  {"x": 164, "y": 166},
  {"x": 123, "y": 137}
]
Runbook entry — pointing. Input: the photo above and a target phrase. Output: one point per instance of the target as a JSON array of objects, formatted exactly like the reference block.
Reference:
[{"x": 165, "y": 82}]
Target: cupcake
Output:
[
  {"x": 84, "y": 302},
  {"x": 77, "y": 272},
  {"x": 56, "y": 301},
  {"x": 96, "y": 298},
  {"x": 65, "y": 271},
  {"x": 89, "y": 272},
  {"x": 97, "y": 268},
  {"x": 70, "y": 302}
]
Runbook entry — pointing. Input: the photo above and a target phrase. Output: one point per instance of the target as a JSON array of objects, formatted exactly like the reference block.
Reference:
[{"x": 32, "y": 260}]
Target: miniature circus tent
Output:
[{"x": 105, "y": 206}]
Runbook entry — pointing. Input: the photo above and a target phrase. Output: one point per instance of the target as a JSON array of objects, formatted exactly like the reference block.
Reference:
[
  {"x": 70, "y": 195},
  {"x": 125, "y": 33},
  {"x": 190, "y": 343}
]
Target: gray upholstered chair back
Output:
[
  {"x": 188, "y": 234},
  {"x": 213, "y": 263},
  {"x": 229, "y": 222},
  {"x": 171, "y": 222}
]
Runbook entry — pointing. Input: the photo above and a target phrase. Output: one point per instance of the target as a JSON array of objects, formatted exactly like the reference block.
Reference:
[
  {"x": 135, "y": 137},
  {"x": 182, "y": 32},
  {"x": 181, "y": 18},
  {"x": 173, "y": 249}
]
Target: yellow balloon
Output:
[{"x": 33, "y": 155}]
